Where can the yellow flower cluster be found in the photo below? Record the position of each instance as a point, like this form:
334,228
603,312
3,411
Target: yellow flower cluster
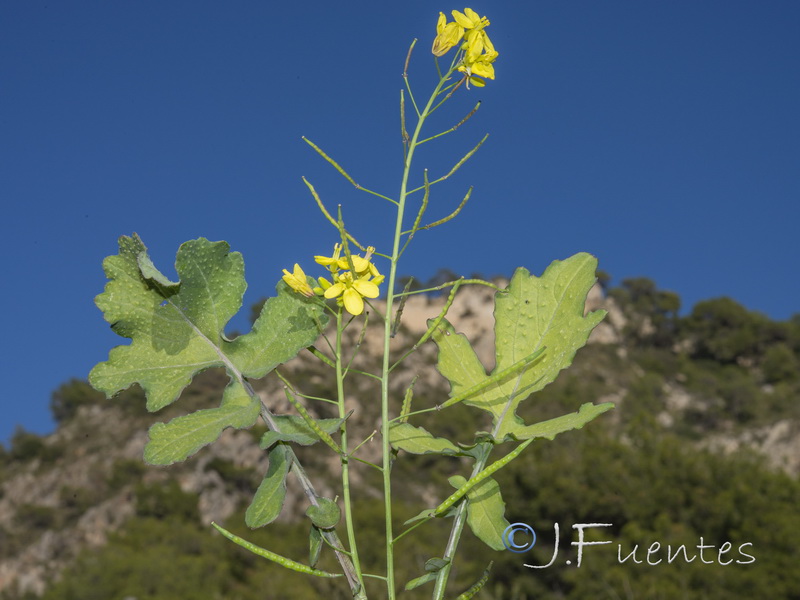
479,52
353,279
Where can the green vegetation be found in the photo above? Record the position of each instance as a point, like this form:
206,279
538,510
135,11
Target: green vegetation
653,484
27,446
72,395
655,488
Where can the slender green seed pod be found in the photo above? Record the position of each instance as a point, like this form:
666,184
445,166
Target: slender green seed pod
453,214
316,352
335,165
477,586
277,558
398,315
471,483
406,408
309,420
516,367
450,297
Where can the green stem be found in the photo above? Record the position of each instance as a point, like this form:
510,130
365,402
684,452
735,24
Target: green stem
455,534
308,489
461,517
348,512
390,296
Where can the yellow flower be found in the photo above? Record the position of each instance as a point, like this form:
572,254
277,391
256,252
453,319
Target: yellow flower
447,36
298,281
324,284
353,279
337,262
377,278
353,291
469,19
362,266
479,54
332,262
478,50
482,67
478,42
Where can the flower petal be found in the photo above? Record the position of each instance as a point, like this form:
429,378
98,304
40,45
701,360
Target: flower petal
483,69
464,20
298,281
335,290
487,43
366,288
447,38
353,302
472,15
360,264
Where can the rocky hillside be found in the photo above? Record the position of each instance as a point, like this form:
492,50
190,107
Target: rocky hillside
719,379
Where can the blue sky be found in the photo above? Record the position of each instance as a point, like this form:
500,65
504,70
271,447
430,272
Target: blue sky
662,137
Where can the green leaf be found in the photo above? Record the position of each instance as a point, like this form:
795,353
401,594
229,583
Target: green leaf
417,440
485,511
432,565
432,568
326,515
314,545
552,427
288,323
183,436
149,271
422,580
269,498
422,516
177,330
292,428
535,313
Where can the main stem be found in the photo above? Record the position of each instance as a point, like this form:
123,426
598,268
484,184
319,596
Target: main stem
388,324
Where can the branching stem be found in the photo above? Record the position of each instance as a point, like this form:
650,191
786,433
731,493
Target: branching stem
388,323
345,458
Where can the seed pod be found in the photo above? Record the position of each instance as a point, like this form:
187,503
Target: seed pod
518,366
474,589
311,422
471,483
277,558
406,408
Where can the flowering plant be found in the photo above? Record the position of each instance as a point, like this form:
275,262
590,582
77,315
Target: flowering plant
476,54
177,330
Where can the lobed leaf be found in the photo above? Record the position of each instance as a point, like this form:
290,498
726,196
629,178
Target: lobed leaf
535,313
418,440
178,439
552,427
177,330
